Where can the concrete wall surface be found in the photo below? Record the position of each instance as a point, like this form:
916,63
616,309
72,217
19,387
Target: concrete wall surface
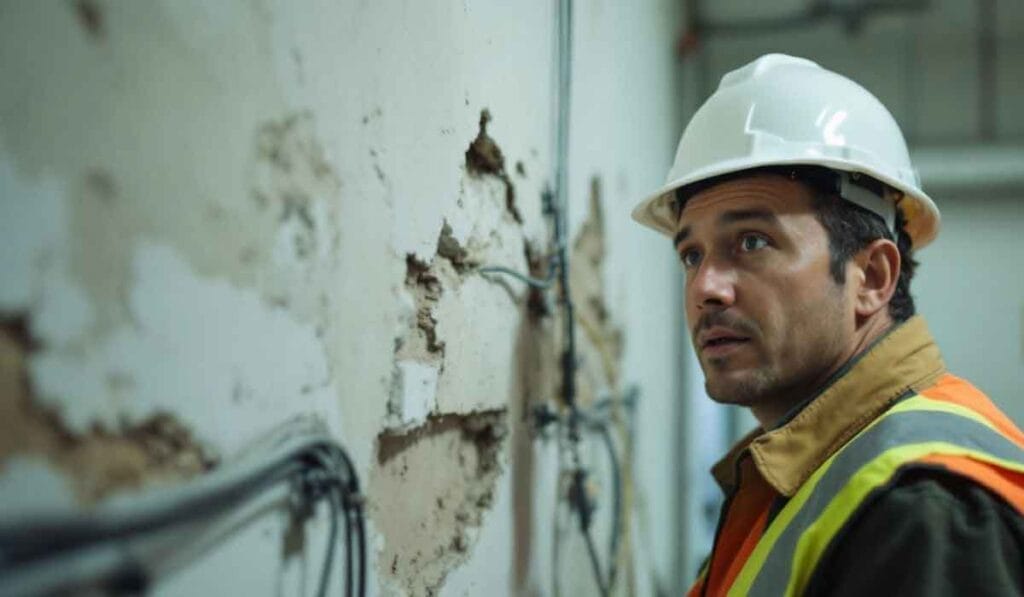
219,215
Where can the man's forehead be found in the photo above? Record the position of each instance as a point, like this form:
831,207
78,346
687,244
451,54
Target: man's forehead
774,193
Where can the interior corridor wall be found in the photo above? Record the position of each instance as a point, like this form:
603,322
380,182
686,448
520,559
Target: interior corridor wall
218,216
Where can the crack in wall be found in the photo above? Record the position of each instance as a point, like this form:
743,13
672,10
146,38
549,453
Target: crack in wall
427,513
101,461
484,157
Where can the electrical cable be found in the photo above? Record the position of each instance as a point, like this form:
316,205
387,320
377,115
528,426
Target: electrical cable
542,284
613,547
95,549
594,562
332,539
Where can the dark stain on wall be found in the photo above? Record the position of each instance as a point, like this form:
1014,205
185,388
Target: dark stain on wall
90,16
484,157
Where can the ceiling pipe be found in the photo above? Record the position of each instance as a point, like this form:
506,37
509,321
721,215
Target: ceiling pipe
852,13
988,169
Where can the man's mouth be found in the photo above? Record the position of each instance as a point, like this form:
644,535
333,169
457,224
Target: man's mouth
725,341
718,342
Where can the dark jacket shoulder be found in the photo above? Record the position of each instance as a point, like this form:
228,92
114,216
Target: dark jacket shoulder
929,532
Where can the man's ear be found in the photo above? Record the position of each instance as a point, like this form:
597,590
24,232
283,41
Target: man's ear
878,269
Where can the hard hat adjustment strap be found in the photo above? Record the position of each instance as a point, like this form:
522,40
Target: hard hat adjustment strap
863,197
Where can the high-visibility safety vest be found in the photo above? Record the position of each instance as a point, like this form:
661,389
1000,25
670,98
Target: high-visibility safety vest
952,425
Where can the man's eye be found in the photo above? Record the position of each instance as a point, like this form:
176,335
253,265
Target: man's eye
690,258
752,242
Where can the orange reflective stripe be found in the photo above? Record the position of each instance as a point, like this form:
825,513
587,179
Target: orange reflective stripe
748,545
954,390
1005,483
745,522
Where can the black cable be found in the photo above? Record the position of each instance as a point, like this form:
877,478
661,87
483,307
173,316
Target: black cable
325,572
613,548
353,504
337,492
360,523
338,502
585,510
90,548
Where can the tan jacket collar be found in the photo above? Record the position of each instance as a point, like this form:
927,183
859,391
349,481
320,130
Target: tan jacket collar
907,358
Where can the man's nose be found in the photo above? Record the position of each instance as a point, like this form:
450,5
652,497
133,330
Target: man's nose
713,286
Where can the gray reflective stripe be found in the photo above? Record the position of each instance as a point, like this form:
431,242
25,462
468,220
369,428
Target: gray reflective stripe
898,429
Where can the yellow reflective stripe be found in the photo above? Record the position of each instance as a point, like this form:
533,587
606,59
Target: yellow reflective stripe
920,402
741,585
817,536
814,539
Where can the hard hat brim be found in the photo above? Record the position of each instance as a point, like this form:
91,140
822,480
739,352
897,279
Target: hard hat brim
920,212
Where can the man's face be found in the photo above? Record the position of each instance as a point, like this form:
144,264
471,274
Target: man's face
769,323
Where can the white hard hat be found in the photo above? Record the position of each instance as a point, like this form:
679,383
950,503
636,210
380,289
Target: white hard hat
781,110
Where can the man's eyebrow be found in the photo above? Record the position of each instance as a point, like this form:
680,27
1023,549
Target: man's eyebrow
731,217
681,236
739,215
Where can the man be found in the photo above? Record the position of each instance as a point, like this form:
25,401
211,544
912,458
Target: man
795,212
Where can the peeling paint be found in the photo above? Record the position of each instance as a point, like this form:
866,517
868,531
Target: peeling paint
100,461
423,281
449,248
223,245
429,515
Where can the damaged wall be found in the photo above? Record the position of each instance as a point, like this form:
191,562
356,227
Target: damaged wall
218,216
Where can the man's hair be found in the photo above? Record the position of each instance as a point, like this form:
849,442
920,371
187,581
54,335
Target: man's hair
850,227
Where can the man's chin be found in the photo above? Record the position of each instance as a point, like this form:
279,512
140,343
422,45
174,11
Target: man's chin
740,388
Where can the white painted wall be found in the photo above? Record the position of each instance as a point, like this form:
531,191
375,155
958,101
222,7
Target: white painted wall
207,207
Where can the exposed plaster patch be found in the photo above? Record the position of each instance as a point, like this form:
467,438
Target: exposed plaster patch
603,342
427,513
423,282
450,248
460,324
484,157
479,322
100,460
